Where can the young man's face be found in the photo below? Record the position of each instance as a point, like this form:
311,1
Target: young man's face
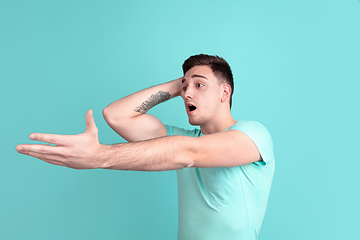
201,94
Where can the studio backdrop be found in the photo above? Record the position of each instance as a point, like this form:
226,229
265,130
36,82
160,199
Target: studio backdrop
296,68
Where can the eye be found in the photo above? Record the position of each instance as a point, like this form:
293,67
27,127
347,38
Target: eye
184,89
199,85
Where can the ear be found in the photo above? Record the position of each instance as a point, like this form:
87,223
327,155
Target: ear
225,92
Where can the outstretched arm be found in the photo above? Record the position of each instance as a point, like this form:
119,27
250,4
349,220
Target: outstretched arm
127,116
83,151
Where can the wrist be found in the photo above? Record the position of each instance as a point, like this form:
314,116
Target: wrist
176,87
101,156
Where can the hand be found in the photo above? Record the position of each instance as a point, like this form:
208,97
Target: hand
178,86
74,151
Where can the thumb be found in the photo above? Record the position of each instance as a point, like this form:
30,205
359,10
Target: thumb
90,122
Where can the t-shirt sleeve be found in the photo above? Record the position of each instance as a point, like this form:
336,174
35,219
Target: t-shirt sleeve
172,130
261,137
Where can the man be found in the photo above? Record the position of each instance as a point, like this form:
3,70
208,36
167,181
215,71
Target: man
224,169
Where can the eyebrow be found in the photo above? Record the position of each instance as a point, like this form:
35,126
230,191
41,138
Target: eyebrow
199,76
194,76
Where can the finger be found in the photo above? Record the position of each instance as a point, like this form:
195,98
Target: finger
49,158
49,138
42,149
90,122
55,163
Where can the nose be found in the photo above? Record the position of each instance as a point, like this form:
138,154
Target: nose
188,94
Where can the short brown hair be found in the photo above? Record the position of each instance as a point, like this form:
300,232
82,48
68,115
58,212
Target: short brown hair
218,65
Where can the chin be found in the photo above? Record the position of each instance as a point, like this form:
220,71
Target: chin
194,123
197,122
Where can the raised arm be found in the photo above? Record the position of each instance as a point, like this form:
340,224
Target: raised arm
127,116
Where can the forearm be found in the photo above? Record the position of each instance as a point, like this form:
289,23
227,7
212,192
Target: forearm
83,151
140,102
165,153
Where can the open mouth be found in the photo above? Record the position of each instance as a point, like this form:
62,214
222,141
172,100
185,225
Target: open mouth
191,107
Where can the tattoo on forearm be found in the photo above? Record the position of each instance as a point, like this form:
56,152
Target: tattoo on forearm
153,100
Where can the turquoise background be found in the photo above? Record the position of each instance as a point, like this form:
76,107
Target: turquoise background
297,71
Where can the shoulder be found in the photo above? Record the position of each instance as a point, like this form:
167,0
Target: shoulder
260,136
172,130
251,127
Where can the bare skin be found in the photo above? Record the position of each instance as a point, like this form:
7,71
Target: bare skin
127,116
150,149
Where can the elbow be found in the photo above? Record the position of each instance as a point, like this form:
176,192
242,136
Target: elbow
108,116
186,161
187,156
189,164
183,161
105,113
115,120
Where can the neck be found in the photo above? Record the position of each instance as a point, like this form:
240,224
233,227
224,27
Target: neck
218,124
